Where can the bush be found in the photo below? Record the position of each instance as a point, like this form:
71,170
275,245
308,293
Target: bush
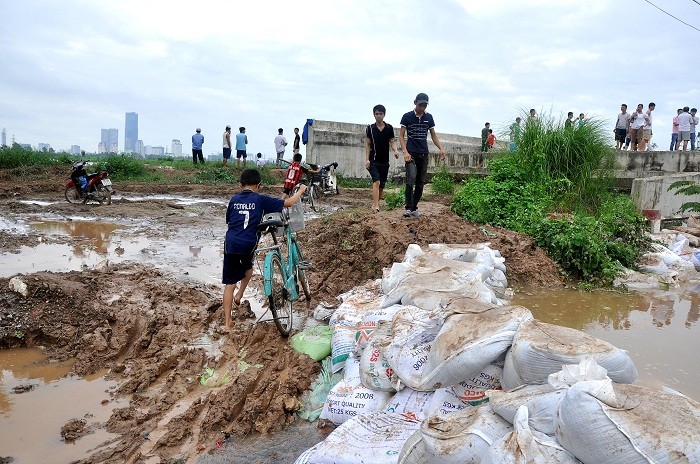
443,182
395,199
121,167
16,156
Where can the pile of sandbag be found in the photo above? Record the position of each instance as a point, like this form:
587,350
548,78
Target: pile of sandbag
440,368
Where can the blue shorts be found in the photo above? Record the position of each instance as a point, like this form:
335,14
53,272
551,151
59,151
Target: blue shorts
241,154
235,267
227,153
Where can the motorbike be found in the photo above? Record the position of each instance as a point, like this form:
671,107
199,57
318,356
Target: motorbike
83,187
326,180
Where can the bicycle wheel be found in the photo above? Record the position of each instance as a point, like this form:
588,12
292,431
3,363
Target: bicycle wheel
302,280
312,195
280,306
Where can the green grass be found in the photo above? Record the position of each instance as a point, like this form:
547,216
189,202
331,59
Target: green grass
443,182
15,157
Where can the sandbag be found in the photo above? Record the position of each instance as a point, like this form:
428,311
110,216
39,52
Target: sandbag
314,341
526,446
540,349
349,397
628,424
444,401
371,321
479,388
411,403
542,401
314,399
375,438
467,343
375,371
459,438
409,342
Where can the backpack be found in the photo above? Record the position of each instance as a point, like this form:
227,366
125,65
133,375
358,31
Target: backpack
293,175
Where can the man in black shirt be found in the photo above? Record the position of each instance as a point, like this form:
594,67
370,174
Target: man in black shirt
379,136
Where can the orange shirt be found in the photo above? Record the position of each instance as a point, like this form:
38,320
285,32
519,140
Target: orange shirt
491,140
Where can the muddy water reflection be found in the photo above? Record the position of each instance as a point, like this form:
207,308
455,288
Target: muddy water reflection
31,421
660,330
96,235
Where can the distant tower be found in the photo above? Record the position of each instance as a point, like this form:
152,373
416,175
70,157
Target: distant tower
131,132
177,148
110,139
4,138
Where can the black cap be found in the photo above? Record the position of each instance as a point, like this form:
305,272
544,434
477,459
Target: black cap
422,98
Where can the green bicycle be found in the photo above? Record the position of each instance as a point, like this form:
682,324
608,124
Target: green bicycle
282,276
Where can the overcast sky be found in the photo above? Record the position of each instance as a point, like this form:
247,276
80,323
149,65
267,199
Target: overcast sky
70,68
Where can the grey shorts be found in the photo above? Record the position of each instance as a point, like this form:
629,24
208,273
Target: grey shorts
683,135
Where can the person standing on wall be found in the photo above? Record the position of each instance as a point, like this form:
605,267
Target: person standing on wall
197,144
227,145
280,144
623,120
413,137
378,137
295,145
241,142
484,136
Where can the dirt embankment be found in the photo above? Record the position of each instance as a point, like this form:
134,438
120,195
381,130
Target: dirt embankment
155,332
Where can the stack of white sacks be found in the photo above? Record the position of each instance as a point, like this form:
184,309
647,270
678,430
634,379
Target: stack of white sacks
439,368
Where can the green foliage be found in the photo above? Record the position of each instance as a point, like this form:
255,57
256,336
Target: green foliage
121,167
395,199
686,187
16,156
353,183
553,188
443,182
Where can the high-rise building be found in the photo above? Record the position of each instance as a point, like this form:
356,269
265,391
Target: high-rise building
75,149
177,148
43,147
110,139
131,132
139,147
4,138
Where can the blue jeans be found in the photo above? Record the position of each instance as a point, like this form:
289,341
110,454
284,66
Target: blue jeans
692,140
674,141
416,171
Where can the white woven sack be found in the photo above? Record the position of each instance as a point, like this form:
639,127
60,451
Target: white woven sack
411,403
349,397
469,342
399,271
633,425
541,401
412,333
479,388
524,445
375,371
375,438
370,322
459,438
540,349
444,401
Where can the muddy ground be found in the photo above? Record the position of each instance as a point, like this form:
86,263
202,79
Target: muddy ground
154,330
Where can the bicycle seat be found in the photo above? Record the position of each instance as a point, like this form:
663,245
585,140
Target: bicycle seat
270,222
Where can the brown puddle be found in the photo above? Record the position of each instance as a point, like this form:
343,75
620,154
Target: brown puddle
31,421
660,331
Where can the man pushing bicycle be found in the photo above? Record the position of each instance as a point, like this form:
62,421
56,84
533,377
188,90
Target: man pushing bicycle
245,211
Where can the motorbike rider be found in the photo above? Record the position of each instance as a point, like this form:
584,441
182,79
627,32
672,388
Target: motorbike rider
79,176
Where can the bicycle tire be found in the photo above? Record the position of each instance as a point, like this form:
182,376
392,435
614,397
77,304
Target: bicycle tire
302,279
280,305
312,196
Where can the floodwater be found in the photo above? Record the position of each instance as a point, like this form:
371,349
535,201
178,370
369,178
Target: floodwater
660,330
31,421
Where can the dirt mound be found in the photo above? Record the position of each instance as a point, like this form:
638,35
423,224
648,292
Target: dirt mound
157,335
353,246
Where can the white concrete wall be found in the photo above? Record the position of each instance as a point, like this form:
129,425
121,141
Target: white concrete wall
652,193
345,143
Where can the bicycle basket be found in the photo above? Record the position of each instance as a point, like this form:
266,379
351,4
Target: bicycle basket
296,216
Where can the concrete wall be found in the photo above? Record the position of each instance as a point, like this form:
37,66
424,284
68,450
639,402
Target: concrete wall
345,143
652,193
630,165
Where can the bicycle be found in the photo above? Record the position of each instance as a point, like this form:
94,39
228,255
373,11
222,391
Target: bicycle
282,277
311,196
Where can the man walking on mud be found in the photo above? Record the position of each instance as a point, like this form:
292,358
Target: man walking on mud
413,137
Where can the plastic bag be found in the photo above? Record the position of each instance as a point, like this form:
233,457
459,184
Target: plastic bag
314,341
313,401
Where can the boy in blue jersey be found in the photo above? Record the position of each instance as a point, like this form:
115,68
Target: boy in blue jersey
245,211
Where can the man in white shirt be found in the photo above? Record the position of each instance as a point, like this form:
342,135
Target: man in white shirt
685,120
646,137
637,122
280,144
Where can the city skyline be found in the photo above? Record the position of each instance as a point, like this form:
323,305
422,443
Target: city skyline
131,132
